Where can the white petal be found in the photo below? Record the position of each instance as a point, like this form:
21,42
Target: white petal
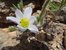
32,19
13,19
21,28
18,13
28,12
33,28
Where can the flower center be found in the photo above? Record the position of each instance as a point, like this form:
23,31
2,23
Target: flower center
24,22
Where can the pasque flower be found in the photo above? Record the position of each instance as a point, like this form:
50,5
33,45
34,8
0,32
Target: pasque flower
24,20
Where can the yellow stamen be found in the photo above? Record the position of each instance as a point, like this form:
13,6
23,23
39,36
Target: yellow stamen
24,22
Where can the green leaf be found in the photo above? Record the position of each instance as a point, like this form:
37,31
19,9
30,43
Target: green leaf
12,28
20,5
54,6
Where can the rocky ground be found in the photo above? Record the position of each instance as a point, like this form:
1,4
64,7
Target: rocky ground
52,35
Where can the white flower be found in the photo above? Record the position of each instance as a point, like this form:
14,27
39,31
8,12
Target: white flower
24,20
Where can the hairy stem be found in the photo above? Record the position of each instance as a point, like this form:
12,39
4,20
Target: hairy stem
43,11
